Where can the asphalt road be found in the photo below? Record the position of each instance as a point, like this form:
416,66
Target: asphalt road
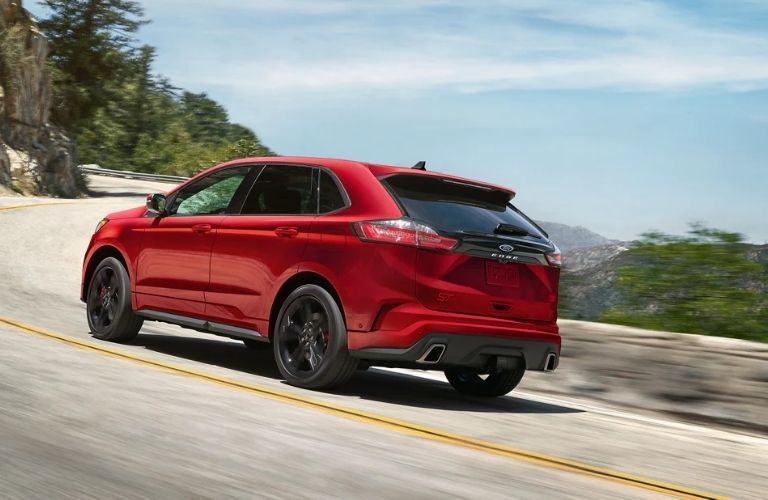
78,423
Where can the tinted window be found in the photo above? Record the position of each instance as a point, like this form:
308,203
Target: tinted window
330,197
450,206
211,194
282,190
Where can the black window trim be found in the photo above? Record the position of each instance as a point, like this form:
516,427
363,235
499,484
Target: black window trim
339,186
315,185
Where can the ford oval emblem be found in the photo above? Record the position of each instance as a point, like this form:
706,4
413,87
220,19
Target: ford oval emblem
506,248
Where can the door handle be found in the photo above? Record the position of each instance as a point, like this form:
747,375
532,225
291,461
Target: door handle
288,232
202,228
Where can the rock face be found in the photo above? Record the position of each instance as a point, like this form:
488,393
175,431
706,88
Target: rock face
35,157
581,259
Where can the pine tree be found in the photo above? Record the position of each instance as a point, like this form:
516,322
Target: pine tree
91,48
120,114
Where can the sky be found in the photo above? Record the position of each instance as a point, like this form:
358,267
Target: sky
621,116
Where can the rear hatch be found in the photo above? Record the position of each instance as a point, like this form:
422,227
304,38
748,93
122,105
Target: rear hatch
502,264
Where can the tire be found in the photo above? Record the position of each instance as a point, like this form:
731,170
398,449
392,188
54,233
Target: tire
256,345
108,303
497,383
310,340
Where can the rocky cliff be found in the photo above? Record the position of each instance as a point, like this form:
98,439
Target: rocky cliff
35,157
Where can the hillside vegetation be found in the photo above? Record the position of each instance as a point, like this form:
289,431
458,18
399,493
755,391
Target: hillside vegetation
706,282
121,114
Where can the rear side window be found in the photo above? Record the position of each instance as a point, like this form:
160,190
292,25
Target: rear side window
282,190
331,198
451,206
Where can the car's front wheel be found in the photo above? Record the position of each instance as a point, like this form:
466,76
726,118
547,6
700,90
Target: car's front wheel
310,340
491,383
108,303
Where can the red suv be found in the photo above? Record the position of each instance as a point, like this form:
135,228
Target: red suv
339,265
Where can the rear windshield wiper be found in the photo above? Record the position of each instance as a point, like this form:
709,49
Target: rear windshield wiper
513,230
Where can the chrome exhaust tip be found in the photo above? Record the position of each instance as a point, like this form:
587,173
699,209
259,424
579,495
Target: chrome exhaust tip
432,355
551,362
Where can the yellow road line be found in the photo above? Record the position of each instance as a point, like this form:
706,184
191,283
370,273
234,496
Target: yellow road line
382,421
32,205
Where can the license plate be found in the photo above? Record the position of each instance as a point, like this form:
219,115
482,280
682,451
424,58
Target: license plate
501,274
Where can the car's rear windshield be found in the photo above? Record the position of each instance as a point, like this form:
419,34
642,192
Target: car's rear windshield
452,206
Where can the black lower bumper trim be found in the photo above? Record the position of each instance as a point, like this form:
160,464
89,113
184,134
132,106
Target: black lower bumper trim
476,351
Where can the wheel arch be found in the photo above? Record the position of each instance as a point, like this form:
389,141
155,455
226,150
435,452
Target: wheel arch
294,282
98,255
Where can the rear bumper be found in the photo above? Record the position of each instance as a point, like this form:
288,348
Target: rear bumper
470,341
442,350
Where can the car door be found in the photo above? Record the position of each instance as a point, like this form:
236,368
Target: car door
258,249
173,267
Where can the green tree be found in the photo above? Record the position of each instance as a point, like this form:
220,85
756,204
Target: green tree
244,148
703,283
121,114
205,118
101,140
91,44
139,109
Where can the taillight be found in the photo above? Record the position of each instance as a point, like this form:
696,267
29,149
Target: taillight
555,258
403,232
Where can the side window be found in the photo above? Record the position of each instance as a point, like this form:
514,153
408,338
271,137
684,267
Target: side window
330,197
211,194
282,190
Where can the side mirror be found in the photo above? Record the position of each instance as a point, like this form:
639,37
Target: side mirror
156,203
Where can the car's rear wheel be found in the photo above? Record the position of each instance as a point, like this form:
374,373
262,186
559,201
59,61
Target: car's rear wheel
310,340
487,383
108,303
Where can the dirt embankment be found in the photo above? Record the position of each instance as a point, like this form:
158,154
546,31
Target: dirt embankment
698,377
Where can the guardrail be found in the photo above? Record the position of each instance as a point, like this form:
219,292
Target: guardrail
125,174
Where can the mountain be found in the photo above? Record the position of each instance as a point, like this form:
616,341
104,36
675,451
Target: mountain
573,237
588,285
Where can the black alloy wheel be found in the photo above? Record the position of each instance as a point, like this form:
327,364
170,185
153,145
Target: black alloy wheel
305,336
310,340
103,298
108,303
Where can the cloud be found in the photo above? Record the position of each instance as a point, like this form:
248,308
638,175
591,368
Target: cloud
649,72
337,45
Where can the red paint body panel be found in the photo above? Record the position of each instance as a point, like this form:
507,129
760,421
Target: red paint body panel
406,324
459,283
391,295
384,170
248,261
174,262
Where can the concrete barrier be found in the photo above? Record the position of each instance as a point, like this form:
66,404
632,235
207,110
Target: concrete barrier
698,377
